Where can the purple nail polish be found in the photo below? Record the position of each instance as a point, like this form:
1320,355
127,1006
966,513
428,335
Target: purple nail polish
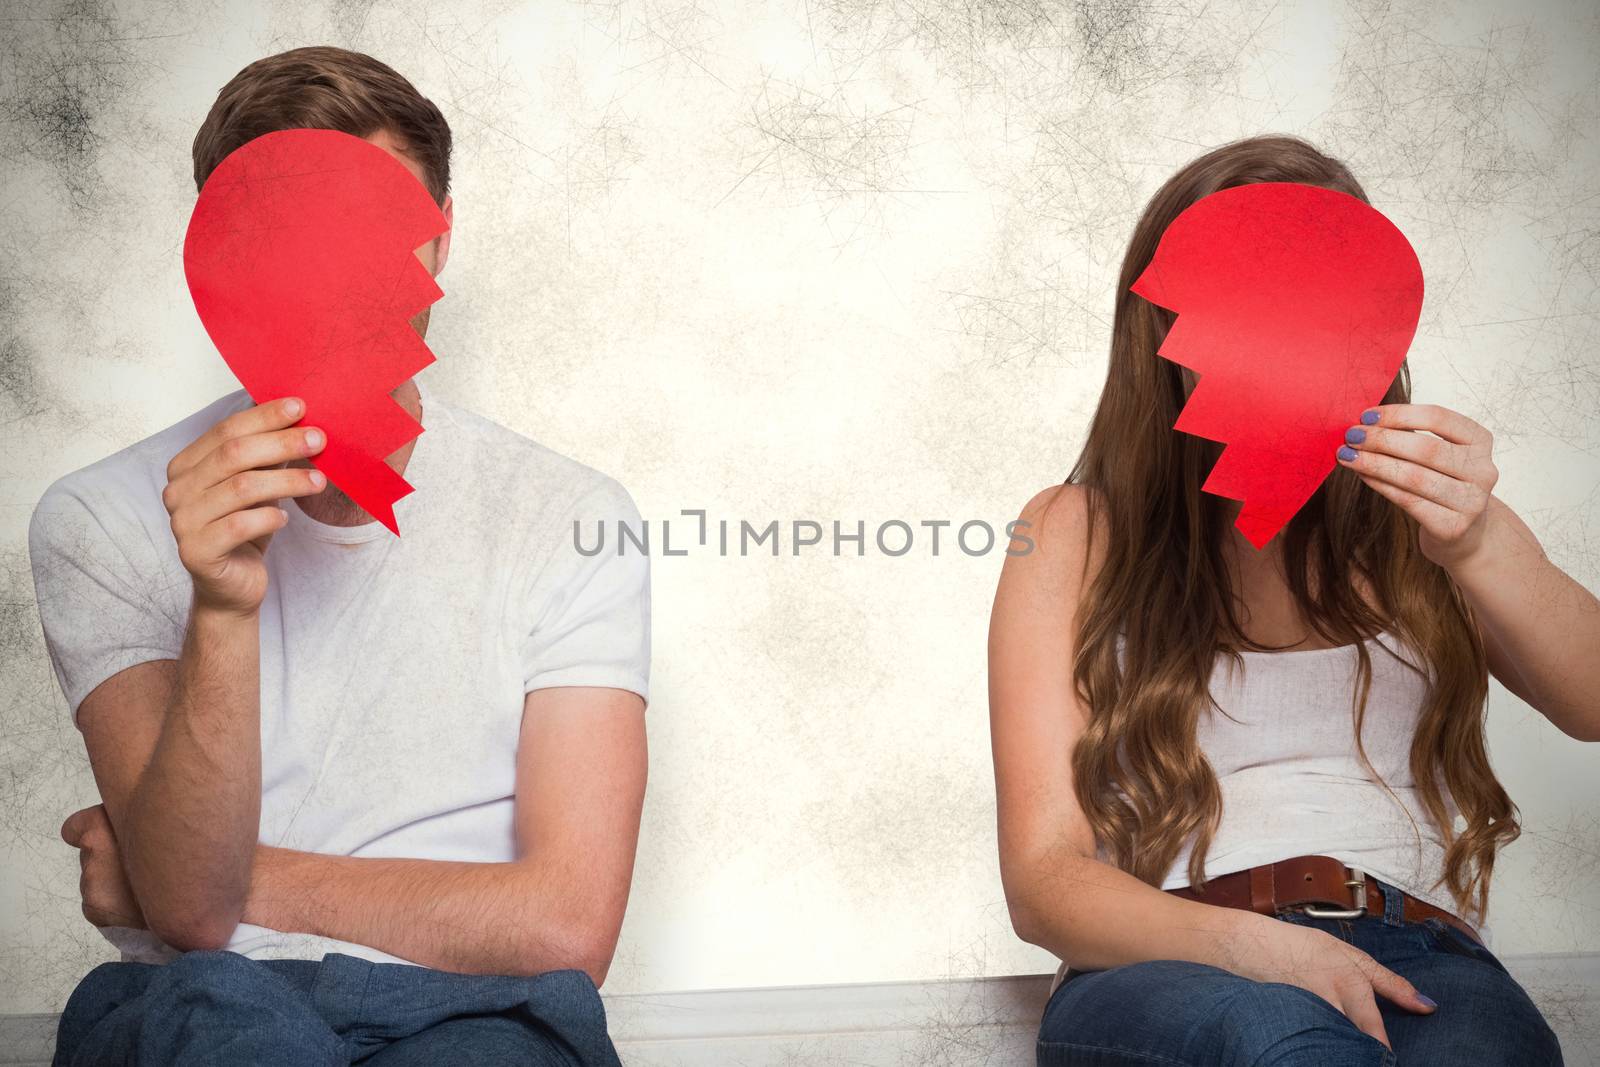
1369,418
1347,453
1355,435
1427,1000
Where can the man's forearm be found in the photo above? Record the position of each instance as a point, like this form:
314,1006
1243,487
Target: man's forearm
475,918
188,830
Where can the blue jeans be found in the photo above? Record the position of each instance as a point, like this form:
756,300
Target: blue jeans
1169,1013
221,1009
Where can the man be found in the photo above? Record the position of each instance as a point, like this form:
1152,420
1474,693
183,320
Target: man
365,798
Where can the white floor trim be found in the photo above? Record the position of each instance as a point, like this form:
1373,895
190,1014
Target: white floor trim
984,1022
963,1022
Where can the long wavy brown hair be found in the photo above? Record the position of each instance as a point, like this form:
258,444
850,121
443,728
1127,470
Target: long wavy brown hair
1353,567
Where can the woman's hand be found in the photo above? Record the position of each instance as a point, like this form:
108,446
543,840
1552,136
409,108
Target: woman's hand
1443,480
1271,950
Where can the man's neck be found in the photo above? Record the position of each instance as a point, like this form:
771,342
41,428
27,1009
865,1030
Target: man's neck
332,506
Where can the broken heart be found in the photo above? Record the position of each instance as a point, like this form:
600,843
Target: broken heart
300,257
1295,306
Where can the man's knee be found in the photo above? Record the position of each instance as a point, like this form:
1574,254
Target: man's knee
111,983
430,1016
476,1039
567,992
567,1003
100,993
214,982
210,968
202,1008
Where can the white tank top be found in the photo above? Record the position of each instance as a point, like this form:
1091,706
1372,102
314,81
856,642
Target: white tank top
1292,782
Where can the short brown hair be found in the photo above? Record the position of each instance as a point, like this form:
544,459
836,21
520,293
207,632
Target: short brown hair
325,88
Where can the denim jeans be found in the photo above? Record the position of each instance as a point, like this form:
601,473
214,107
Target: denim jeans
1169,1013
221,1009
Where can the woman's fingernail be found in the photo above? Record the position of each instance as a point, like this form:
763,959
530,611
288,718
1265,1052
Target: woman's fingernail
1369,418
313,438
1347,453
318,479
293,407
1355,435
1426,1000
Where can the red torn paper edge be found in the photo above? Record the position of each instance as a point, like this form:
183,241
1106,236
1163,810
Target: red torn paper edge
1296,306
301,259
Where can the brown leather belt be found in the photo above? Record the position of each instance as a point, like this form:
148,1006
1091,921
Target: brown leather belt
1319,886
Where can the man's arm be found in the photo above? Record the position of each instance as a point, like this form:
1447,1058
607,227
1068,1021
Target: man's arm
581,765
177,757
176,744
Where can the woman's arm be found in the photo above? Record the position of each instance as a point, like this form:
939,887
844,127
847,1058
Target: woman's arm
1540,627
1060,897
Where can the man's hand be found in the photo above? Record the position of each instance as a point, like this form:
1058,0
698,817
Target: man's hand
220,491
108,899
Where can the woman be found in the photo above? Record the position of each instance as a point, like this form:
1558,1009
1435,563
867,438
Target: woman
1289,741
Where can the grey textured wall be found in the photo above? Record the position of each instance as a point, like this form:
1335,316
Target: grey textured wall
825,259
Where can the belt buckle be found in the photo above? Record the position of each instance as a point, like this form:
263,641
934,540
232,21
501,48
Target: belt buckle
1358,897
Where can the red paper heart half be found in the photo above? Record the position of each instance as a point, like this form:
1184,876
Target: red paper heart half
301,259
1296,305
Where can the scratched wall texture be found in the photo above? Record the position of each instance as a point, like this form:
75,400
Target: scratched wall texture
826,259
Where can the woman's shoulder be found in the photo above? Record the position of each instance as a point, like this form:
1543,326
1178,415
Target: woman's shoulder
1061,556
1060,519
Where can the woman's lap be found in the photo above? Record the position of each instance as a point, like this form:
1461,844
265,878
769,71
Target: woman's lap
1484,1015
1173,1012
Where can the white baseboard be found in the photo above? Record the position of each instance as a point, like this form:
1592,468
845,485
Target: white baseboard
978,1022
981,1022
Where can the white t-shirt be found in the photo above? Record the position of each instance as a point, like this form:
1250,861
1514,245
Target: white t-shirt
393,669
